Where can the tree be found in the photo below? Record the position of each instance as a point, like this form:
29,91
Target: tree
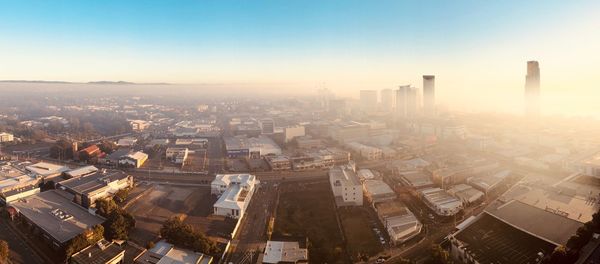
107,146
439,256
84,239
183,235
4,251
118,222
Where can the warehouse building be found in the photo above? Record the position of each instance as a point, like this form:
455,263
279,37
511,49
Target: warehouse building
400,223
133,160
378,191
101,184
466,194
441,202
53,214
250,147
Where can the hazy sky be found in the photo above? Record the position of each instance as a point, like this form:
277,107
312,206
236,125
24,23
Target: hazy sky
477,49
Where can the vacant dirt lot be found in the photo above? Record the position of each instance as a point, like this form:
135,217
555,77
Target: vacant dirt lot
166,201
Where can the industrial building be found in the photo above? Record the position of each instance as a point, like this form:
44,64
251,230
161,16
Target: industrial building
378,191
400,223
98,185
466,194
55,216
250,147
416,180
441,202
488,181
345,185
133,160
235,192
16,183
46,170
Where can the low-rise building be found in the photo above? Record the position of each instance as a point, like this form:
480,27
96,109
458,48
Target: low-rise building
416,180
235,192
192,143
345,185
177,155
6,137
466,194
367,152
378,191
53,214
101,184
400,223
489,181
292,132
126,142
441,202
307,142
279,163
250,147
133,160
16,183
82,171
46,170
166,253
139,125
103,252
285,252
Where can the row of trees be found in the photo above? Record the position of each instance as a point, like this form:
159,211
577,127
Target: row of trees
84,239
183,235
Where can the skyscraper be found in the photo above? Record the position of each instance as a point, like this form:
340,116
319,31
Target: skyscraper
429,95
368,100
387,99
406,101
532,89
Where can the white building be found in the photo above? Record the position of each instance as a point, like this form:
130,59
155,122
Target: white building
284,252
6,137
293,132
235,192
46,170
126,142
177,155
367,152
346,187
134,160
441,202
139,125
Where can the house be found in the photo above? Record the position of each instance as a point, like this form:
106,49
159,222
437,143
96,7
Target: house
103,252
54,216
235,192
101,184
133,160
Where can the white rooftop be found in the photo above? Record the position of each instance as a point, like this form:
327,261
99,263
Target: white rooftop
284,251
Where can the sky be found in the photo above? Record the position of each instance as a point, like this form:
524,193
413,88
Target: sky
477,49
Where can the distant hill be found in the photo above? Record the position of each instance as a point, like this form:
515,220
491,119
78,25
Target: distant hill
94,82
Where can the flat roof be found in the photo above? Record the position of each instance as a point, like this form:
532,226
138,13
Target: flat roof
416,179
538,222
343,174
93,182
81,171
46,169
99,253
378,188
490,240
284,251
44,210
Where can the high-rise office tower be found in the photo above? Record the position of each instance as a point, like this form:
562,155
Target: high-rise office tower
429,95
368,100
406,101
532,89
387,99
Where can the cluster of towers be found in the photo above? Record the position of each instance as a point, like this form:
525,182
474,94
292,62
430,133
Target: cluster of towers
404,101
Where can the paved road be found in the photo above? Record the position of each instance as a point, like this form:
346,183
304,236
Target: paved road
252,233
20,252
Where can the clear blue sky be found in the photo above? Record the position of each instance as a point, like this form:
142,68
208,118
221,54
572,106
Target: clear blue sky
367,43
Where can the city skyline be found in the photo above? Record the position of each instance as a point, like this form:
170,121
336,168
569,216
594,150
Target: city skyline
476,50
